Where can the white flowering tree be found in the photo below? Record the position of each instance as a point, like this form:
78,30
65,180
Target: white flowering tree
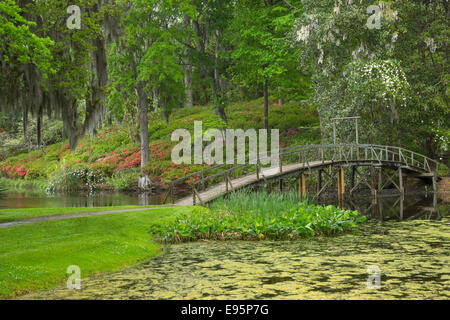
385,61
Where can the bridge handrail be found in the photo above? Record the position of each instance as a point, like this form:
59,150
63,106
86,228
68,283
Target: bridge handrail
400,152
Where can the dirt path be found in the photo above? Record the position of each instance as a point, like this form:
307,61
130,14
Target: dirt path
71,216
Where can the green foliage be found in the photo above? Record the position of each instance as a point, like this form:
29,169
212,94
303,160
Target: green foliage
375,90
19,44
127,180
258,216
68,179
395,77
262,51
443,170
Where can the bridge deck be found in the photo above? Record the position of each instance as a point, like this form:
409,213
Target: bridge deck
407,162
220,189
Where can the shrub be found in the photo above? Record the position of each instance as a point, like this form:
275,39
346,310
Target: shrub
443,170
69,179
126,180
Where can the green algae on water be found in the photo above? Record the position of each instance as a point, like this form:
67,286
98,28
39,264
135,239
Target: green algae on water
413,257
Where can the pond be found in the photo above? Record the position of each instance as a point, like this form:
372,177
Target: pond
98,199
409,241
413,257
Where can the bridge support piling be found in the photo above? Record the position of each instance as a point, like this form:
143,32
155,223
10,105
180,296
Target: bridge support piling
434,181
352,177
301,186
281,185
319,181
405,181
400,180
373,186
374,206
341,186
380,179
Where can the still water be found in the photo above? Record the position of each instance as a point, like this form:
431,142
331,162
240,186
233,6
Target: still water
99,199
409,241
413,257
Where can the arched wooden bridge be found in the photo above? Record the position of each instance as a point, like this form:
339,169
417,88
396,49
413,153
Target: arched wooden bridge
393,165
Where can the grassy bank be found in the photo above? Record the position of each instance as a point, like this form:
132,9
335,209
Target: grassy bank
9,215
257,216
36,256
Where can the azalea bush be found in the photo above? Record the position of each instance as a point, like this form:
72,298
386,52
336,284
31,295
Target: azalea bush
268,216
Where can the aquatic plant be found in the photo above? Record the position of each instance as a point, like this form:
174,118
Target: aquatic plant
247,216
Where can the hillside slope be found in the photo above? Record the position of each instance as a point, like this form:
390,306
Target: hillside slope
111,160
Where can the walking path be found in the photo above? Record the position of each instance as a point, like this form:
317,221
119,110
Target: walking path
77,215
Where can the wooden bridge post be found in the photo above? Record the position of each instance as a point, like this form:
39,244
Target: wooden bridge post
434,180
319,181
352,178
281,185
341,186
400,180
226,182
380,179
405,182
374,206
372,174
301,186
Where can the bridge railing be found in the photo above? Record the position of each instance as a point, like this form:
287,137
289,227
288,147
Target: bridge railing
307,156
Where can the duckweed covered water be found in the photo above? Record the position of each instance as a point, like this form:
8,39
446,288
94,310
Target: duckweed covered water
413,257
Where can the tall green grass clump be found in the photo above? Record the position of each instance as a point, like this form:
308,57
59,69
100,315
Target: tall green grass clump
257,216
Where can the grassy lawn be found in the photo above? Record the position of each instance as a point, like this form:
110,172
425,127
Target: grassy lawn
36,256
8,215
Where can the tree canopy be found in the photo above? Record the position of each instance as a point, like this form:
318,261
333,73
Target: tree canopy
132,58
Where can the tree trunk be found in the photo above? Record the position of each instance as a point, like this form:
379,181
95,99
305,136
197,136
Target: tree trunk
70,116
95,100
155,100
189,102
142,103
39,127
280,97
188,86
266,105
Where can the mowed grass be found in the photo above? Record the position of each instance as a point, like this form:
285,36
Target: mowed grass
9,215
36,256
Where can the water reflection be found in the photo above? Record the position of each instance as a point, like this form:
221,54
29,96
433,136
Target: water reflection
394,206
383,207
100,199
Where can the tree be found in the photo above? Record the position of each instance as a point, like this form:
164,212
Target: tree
263,51
148,58
24,58
412,42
